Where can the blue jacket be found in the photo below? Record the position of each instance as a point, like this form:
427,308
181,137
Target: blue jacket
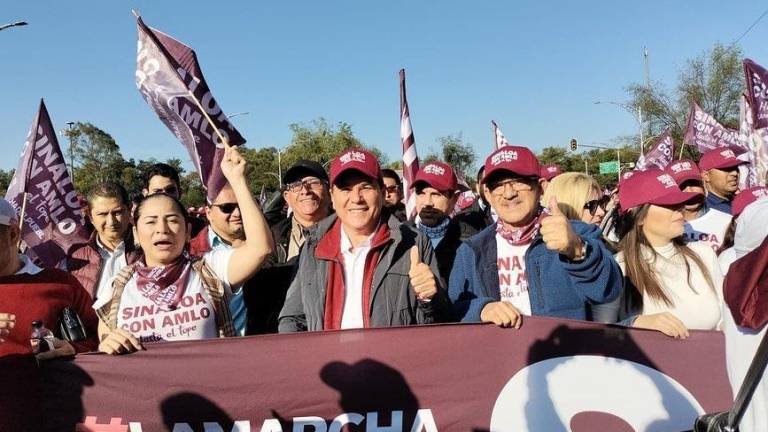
557,287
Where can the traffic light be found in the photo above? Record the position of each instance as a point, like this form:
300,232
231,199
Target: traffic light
574,145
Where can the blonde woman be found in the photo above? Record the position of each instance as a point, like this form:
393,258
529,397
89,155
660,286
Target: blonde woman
578,196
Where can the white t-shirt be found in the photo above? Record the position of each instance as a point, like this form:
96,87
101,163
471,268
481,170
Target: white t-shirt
708,229
354,269
193,319
696,305
513,283
111,264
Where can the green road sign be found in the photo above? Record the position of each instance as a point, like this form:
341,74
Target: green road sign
609,167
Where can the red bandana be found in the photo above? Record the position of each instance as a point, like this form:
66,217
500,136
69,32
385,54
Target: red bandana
164,285
519,236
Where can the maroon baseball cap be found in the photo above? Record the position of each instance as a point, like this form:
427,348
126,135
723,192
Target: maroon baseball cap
747,197
653,186
518,160
719,158
550,171
438,175
683,170
355,159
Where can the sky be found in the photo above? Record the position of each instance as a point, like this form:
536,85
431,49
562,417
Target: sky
536,67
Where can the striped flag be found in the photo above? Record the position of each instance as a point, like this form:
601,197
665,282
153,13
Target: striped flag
501,141
747,172
410,158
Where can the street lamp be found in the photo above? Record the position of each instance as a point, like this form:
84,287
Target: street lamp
13,24
638,117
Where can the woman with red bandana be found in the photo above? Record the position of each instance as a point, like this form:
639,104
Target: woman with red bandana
169,295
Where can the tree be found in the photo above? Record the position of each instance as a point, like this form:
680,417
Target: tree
97,156
713,79
5,180
458,154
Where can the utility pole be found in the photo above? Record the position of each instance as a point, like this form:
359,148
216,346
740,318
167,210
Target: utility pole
71,152
647,82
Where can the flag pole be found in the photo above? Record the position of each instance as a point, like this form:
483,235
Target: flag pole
210,121
682,146
21,218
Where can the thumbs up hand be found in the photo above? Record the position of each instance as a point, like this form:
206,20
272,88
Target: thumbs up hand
422,278
558,234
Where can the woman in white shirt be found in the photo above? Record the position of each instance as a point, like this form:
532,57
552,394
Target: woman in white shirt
672,287
169,295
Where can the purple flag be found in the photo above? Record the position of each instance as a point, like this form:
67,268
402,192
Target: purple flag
170,80
660,155
706,133
757,92
53,219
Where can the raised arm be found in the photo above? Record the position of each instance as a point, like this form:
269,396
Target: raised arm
247,259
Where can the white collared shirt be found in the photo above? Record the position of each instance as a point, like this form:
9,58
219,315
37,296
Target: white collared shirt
29,267
111,264
354,270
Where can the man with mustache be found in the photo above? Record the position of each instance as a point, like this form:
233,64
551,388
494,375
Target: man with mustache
720,172
306,192
702,224
437,190
110,247
360,268
224,231
531,261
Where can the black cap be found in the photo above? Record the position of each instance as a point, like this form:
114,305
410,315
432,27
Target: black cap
303,168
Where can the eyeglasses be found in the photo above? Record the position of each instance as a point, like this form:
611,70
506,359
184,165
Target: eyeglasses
392,189
592,206
518,185
297,186
227,208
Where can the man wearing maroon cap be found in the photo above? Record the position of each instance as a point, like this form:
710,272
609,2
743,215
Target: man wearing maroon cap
357,270
702,224
530,262
720,172
437,190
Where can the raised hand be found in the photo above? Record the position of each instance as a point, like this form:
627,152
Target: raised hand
558,234
232,164
422,278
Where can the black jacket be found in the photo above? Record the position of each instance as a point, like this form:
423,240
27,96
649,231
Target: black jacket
475,217
445,252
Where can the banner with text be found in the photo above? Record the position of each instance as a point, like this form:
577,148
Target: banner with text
705,133
53,219
170,80
550,375
660,155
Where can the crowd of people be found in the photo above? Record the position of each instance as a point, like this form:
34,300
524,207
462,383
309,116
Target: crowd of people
652,253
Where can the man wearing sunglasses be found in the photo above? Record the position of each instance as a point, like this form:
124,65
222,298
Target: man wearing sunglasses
702,223
225,231
532,261
393,194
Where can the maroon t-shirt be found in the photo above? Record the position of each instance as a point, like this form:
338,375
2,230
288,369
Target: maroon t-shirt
43,296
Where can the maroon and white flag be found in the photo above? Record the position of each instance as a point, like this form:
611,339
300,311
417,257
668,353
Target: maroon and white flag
747,172
660,155
410,158
170,80
499,138
706,133
53,220
757,92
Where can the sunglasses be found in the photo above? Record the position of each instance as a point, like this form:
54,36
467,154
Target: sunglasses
593,205
392,189
226,208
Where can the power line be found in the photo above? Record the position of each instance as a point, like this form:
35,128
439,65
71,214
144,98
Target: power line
750,27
